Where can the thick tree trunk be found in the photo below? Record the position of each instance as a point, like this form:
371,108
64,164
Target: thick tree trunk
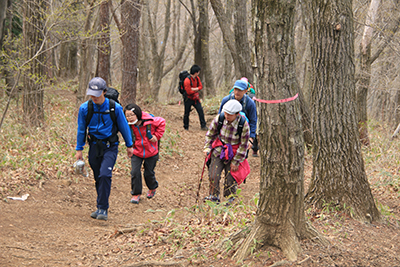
338,175
280,217
130,12
206,75
104,47
33,29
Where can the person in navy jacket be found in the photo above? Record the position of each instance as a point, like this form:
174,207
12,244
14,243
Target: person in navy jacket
248,106
103,141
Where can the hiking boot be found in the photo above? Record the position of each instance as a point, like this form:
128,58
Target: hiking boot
102,215
204,128
135,199
212,198
95,214
151,193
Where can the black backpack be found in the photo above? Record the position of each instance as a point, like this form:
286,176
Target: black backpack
240,127
182,76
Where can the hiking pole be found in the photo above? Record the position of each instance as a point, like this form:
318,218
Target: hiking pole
201,179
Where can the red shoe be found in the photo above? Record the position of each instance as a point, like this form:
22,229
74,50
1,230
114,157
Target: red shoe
151,193
135,199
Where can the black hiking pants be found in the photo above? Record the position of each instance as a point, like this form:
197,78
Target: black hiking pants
149,174
197,105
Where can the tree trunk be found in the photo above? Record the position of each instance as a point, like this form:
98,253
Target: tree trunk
241,40
158,54
280,217
130,12
3,12
206,75
227,33
87,54
338,175
365,72
104,47
33,41
144,55
227,77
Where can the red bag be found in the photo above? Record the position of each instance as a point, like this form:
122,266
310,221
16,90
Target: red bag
242,172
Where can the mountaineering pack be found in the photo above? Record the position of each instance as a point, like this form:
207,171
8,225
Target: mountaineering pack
182,76
240,127
112,94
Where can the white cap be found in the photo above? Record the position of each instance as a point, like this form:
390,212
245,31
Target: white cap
232,107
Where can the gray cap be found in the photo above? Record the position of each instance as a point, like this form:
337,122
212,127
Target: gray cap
232,107
96,87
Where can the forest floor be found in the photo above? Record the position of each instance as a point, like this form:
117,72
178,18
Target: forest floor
53,227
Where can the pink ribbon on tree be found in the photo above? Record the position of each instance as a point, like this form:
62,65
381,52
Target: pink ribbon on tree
276,101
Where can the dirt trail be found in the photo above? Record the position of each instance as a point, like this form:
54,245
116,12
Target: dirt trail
53,226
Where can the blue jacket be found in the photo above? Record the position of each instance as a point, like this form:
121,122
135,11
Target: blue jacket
250,110
101,124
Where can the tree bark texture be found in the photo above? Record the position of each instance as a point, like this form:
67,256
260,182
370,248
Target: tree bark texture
242,40
158,52
33,29
338,175
104,46
130,12
280,217
3,12
365,72
227,33
204,53
87,54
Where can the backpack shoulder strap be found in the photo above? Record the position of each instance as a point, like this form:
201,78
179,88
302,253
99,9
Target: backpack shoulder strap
89,114
240,127
112,112
220,122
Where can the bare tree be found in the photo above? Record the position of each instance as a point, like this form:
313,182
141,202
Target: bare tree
104,47
241,39
128,27
227,33
202,53
87,53
280,219
338,175
3,12
34,41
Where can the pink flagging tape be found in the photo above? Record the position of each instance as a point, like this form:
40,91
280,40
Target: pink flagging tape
276,101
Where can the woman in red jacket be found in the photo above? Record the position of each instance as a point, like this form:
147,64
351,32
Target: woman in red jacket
146,131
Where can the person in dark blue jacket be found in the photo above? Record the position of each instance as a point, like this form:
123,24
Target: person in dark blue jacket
248,106
103,141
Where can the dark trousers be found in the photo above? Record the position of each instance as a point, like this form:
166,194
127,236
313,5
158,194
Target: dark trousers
149,174
214,171
197,105
102,169
255,144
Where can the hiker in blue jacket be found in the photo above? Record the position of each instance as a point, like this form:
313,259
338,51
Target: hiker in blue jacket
248,106
103,140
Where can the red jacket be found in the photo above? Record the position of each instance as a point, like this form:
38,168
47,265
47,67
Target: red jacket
188,87
142,147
